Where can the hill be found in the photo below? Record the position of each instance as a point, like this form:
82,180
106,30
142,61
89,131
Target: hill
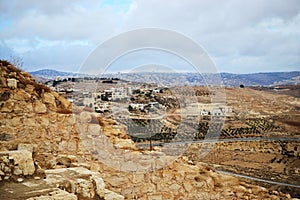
52,74
228,79
264,79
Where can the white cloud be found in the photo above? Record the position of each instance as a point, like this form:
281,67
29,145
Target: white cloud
241,36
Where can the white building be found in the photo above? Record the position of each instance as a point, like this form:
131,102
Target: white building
88,101
120,93
204,113
102,107
156,90
137,106
221,111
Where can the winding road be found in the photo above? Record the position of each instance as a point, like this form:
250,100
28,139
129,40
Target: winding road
258,179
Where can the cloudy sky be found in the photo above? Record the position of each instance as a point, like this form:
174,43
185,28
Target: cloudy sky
240,36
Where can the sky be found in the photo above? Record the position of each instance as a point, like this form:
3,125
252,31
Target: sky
240,36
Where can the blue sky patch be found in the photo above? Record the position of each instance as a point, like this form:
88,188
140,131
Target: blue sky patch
117,5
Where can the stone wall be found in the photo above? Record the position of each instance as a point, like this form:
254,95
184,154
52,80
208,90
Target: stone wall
183,179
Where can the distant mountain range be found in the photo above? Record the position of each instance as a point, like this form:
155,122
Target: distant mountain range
265,79
50,73
229,79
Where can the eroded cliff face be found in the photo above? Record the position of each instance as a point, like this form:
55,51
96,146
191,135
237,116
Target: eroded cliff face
60,141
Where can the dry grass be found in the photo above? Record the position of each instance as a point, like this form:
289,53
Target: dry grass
4,62
40,88
12,68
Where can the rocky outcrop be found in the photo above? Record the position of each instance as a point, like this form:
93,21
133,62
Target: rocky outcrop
77,183
58,194
82,182
184,179
15,164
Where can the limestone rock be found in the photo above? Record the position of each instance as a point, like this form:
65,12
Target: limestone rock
22,107
58,194
110,195
66,160
85,117
155,197
124,143
94,129
24,161
12,83
20,180
3,82
49,98
28,147
65,103
21,95
30,122
17,171
39,107
84,183
29,88
117,181
100,185
7,107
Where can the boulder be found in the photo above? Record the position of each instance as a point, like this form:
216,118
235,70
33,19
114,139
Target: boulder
21,95
7,107
49,98
22,107
12,83
85,183
65,103
20,162
124,143
100,185
85,117
110,195
39,107
94,129
28,147
23,159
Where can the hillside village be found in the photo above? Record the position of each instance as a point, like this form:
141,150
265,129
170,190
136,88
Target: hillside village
96,93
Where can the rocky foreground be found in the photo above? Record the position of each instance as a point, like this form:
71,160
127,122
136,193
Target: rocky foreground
51,150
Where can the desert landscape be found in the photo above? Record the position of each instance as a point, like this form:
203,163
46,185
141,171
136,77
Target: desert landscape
52,149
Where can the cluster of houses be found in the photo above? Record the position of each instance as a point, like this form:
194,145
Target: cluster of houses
101,101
